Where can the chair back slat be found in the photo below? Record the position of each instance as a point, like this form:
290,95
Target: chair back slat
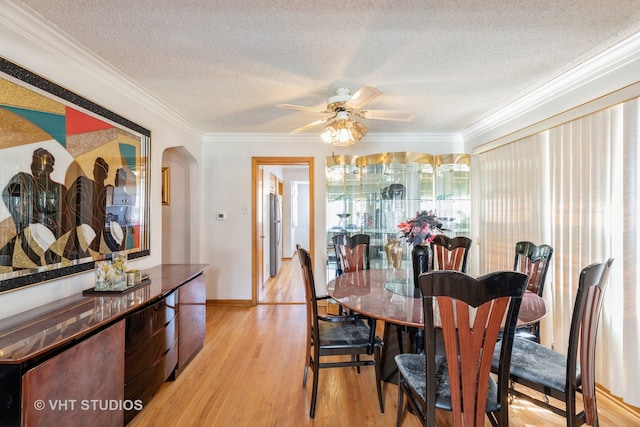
445,259
352,252
450,253
352,259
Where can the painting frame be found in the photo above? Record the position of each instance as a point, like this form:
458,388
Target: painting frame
74,181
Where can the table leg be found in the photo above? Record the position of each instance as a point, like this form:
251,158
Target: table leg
396,341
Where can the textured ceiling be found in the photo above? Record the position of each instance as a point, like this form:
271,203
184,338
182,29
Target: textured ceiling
224,65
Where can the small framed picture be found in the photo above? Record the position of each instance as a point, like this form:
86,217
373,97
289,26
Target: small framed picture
166,186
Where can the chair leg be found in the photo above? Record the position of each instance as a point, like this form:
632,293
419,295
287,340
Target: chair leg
377,357
400,403
304,377
314,393
493,419
571,409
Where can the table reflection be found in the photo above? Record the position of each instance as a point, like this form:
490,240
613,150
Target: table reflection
367,292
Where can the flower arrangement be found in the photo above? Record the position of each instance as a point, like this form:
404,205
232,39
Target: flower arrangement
110,273
119,262
119,267
103,271
421,229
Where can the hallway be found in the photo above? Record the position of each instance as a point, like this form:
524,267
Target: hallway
286,287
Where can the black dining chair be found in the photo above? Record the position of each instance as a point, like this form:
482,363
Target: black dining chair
469,312
450,253
352,252
543,370
336,336
447,253
533,260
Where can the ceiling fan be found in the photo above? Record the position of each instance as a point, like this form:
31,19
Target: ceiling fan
343,108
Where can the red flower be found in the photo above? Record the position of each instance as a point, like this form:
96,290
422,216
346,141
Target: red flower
420,229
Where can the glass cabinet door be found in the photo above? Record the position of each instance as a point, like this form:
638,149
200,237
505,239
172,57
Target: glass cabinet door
373,194
453,206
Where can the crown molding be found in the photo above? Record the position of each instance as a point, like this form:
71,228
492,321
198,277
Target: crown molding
427,137
600,66
35,30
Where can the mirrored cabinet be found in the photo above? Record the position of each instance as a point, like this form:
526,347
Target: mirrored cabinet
373,194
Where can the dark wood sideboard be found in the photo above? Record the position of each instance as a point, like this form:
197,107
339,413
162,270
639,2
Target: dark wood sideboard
98,359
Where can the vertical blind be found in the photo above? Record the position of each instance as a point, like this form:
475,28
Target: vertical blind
575,187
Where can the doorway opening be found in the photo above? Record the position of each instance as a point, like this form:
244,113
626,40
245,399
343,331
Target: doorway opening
294,173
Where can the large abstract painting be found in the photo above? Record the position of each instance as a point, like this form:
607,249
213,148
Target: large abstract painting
73,178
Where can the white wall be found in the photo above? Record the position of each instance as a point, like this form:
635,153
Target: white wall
300,231
27,43
293,177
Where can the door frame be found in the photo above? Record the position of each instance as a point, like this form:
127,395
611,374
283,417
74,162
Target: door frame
257,224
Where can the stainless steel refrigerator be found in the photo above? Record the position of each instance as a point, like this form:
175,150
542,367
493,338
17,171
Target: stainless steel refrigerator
275,233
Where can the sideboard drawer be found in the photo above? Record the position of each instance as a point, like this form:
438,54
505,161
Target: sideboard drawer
149,321
149,350
145,385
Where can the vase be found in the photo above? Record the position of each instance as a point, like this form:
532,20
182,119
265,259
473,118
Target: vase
396,253
387,250
421,258
396,192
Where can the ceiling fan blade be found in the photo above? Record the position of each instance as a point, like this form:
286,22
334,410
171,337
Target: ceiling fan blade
401,116
301,108
363,96
311,125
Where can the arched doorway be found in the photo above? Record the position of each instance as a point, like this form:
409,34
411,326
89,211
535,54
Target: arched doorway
180,240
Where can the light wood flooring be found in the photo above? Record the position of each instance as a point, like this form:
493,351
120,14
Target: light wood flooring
249,373
286,287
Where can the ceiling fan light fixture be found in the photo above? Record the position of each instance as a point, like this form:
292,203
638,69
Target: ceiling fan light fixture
343,132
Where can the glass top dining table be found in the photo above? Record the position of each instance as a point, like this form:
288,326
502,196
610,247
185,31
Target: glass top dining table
389,295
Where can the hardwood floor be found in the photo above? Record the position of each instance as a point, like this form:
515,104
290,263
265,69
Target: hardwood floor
286,287
250,373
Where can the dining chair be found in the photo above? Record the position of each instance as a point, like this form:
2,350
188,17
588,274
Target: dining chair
352,252
533,260
447,253
336,336
450,253
470,312
561,376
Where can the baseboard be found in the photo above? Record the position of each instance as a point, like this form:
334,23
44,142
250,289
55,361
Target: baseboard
237,302
618,401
